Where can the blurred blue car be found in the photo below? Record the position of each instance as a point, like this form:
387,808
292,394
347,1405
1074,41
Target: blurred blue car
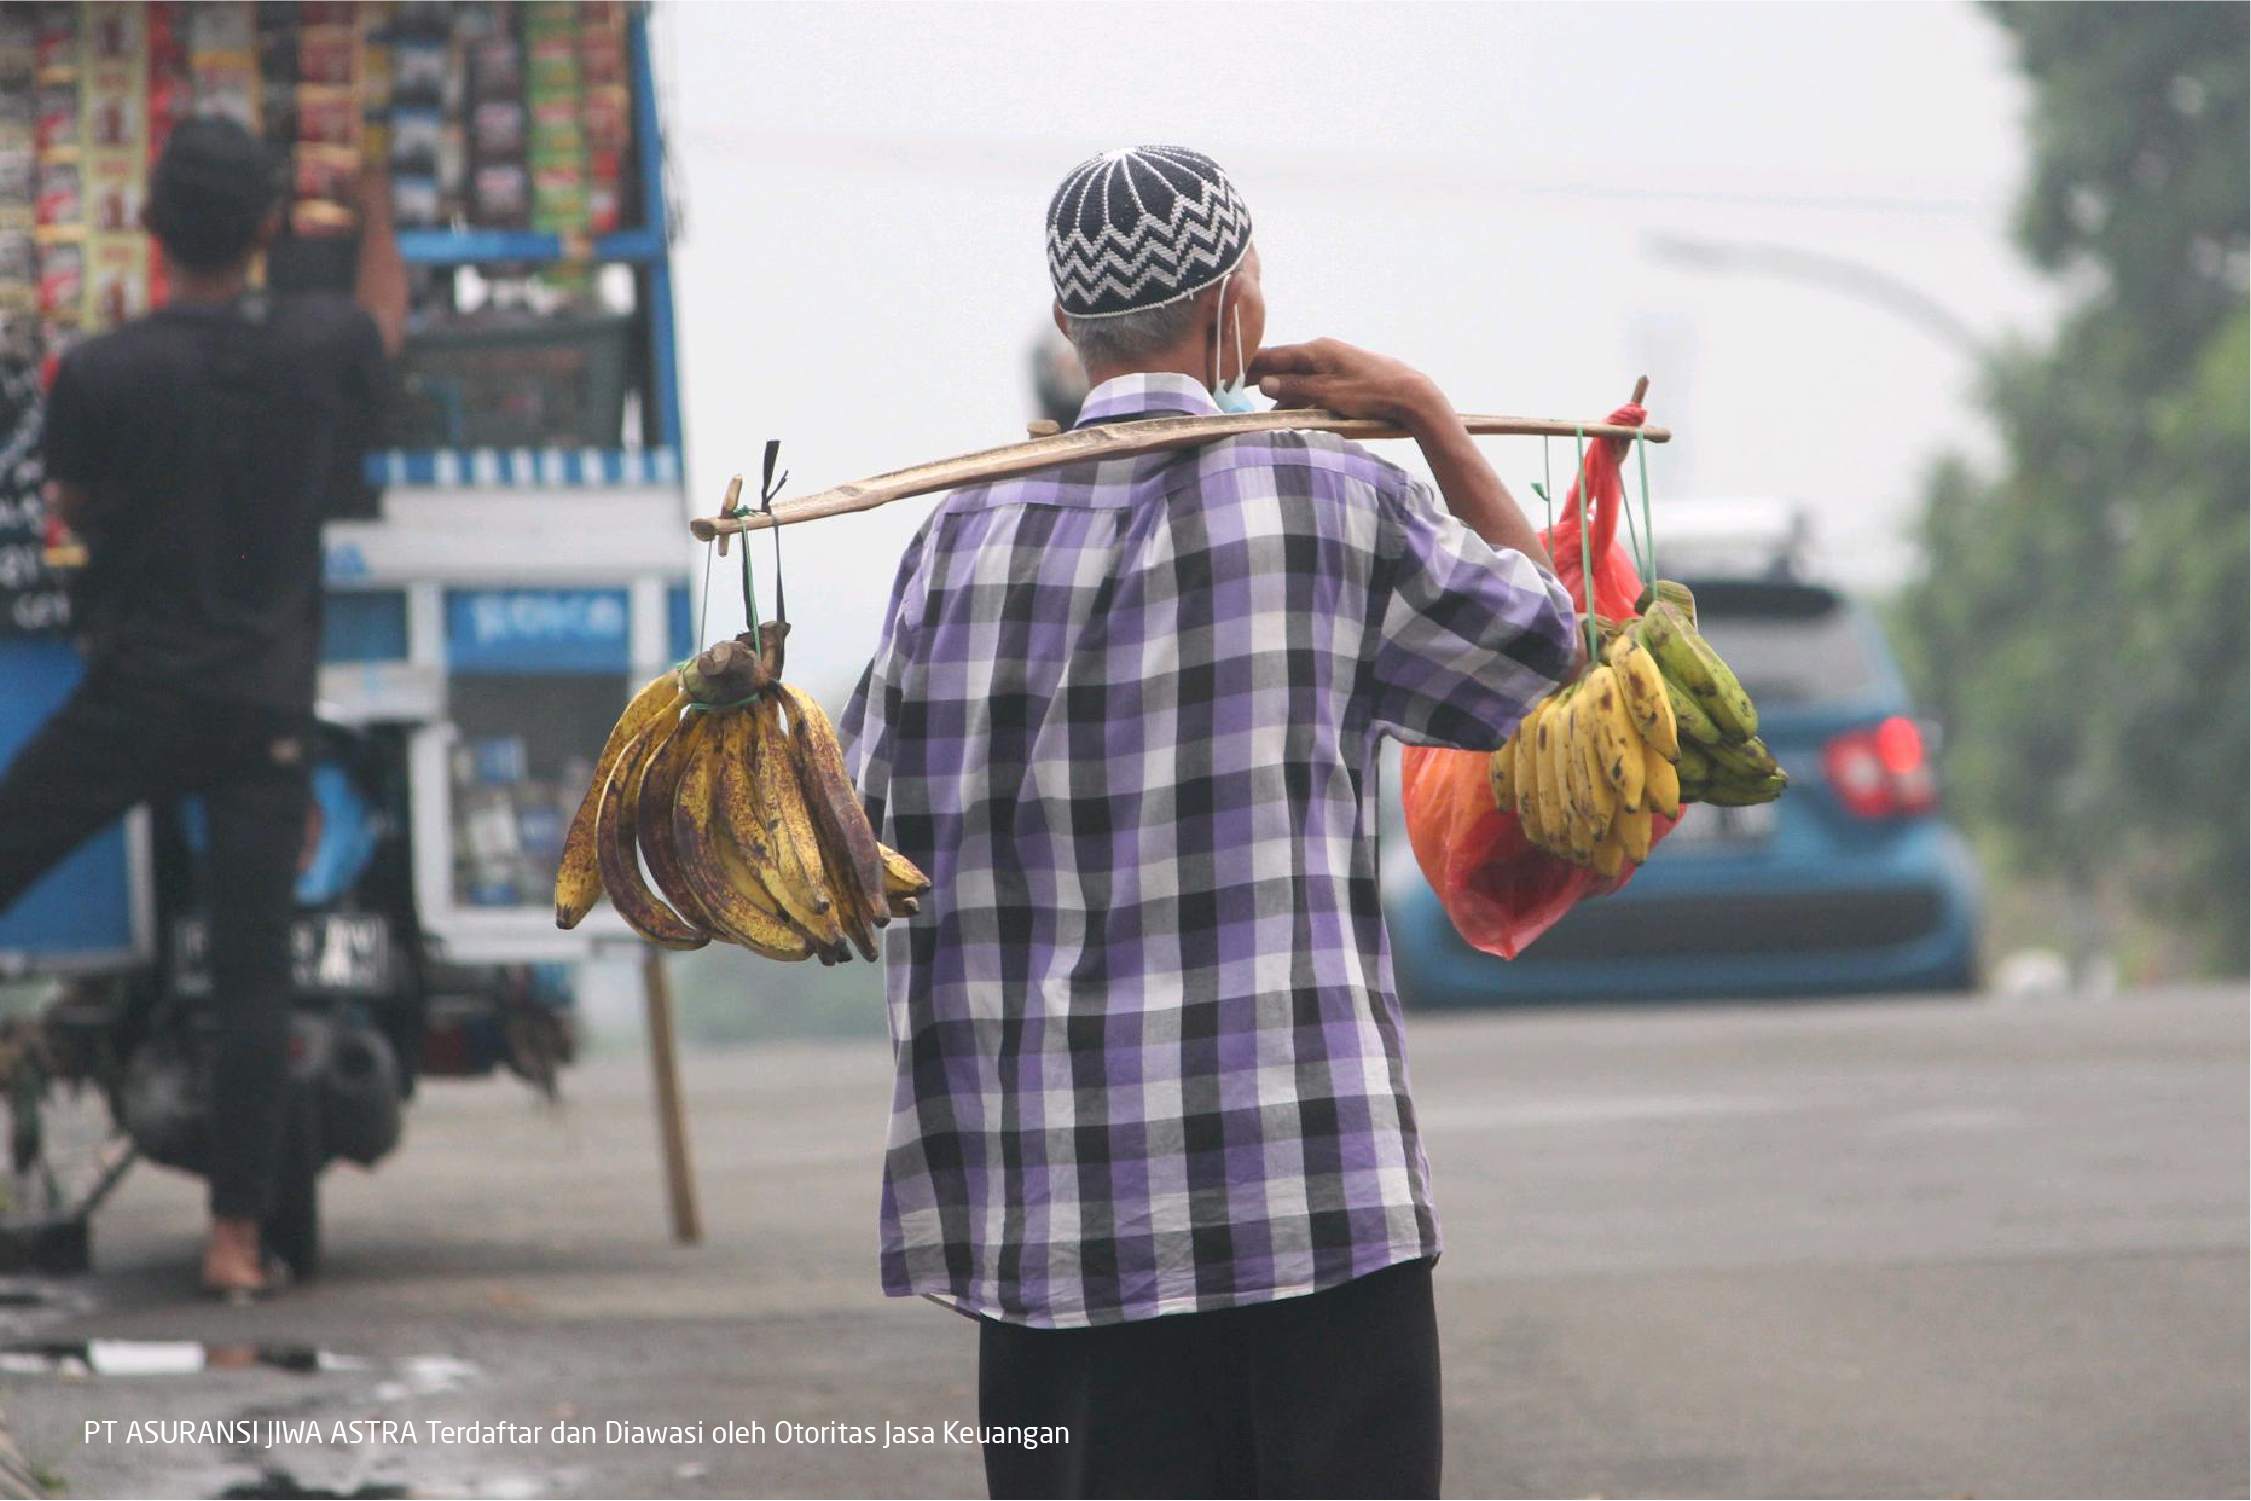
1852,882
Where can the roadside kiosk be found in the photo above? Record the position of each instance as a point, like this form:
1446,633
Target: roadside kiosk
514,561
518,565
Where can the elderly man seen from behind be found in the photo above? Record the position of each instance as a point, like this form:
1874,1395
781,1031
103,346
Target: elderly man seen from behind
1151,1125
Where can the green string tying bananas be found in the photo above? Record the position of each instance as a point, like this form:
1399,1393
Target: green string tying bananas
1658,722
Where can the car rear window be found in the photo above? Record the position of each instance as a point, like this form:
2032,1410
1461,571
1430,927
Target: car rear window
1789,643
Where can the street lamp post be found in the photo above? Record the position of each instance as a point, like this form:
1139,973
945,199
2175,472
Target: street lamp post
1863,283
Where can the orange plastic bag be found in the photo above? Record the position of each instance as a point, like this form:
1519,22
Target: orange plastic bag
1500,891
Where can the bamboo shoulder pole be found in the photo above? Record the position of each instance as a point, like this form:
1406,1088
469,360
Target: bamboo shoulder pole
672,1109
1113,440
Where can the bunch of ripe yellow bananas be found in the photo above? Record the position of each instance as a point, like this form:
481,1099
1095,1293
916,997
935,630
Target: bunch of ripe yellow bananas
740,811
1659,721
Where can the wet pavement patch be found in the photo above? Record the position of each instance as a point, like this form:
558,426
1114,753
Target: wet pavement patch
164,1357
274,1485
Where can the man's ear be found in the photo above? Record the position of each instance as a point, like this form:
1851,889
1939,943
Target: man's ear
1060,327
1212,322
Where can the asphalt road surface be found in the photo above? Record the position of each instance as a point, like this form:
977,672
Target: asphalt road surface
1915,1248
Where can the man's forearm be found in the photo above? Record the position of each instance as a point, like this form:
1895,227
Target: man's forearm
1474,493
380,287
1332,374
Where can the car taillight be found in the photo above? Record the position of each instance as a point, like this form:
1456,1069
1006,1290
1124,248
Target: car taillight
1882,772
316,823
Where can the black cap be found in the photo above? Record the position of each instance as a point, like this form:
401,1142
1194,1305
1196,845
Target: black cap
212,187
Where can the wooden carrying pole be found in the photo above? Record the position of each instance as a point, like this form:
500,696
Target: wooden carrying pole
672,1115
1113,440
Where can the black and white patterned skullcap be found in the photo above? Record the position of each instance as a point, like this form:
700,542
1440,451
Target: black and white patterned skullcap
1141,227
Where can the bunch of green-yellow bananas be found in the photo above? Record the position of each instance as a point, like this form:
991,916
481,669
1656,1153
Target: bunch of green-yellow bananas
1657,722
741,814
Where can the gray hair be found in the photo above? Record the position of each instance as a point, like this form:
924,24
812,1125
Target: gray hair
1122,338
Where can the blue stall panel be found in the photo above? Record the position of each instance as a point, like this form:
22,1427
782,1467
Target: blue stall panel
679,624
81,916
538,630
364,626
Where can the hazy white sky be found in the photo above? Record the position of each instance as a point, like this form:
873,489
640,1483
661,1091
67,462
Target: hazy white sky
1473,188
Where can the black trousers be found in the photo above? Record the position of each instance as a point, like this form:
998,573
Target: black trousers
118,742
1332,1394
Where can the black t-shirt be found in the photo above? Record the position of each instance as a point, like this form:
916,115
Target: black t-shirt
207,437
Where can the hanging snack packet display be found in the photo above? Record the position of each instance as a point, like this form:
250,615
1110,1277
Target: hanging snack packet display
115,94
496,67
171,87
222,26
113,182
19,279
56,111
58,198
328,115
607,110
420,64
19,172
417,144
427,179
325,94
223,59
328,56
277,76
57,42
488,116
19,47
226,84
61,204
556,95
62,275
500,196
117,279
497,131
114,33
320,172
499,128
375,81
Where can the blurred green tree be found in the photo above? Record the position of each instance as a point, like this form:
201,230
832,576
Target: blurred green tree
2080,624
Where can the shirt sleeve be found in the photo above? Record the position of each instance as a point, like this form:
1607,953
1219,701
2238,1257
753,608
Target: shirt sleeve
69,445
1470,636
879,702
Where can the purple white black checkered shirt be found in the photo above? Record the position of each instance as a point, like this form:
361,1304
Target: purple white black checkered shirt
1125,714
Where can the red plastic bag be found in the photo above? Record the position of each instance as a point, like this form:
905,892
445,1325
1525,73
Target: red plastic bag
1500,891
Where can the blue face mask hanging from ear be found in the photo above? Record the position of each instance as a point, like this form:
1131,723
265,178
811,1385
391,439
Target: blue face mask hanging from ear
1230,396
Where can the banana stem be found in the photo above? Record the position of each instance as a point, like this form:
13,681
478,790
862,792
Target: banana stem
726,672
769,643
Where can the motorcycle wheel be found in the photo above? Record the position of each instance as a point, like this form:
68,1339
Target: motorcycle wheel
292,1229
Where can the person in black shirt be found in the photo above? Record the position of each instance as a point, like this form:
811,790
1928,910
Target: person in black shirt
192,450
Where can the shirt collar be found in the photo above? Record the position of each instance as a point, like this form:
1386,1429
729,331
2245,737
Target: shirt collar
1154,393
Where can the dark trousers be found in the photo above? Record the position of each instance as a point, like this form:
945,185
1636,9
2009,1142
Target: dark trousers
116,743
1332,1394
